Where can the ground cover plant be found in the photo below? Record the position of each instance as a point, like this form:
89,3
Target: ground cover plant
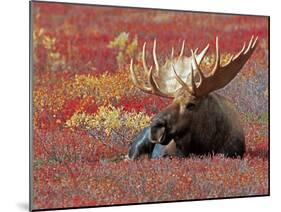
86,110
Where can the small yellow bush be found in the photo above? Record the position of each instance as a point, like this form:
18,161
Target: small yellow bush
109,118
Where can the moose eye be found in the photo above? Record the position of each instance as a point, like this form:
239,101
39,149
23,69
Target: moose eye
190,106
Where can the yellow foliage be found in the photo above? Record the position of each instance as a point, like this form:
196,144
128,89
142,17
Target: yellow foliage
109,118
126,48
48,42
120,41
131,48
208,61
100,87
103,88
44,100
135,120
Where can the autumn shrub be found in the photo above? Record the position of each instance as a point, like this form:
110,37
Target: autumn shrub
86,110
109,120
126,48
149,181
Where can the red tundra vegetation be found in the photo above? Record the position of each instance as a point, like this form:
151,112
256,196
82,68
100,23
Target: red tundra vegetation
86,110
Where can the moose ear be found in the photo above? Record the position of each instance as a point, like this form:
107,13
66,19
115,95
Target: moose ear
157,134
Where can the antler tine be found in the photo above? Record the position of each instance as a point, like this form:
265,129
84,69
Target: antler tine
152,87
133,75
222,75
255,41
154,56
155,88
143,59
201,75
172,53
183,84
240,52
229,60
249,45
136,82
182,49
217,61
194,88
201,55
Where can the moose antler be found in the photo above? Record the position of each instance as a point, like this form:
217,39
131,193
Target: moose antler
153,86
221,75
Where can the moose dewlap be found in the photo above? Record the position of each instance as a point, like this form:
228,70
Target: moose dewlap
199,121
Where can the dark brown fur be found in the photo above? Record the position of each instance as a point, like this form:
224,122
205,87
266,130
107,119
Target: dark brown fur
211,126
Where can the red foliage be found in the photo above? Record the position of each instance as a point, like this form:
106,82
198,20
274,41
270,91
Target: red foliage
78,104
88,31
143,103
72,168
257,140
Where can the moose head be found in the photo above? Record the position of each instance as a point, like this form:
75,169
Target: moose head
198,120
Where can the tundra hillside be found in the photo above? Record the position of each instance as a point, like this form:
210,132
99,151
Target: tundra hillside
86,110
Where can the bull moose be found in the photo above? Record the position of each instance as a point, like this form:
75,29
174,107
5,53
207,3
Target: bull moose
198,121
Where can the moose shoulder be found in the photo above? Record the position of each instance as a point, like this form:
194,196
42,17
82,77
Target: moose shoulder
198,121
